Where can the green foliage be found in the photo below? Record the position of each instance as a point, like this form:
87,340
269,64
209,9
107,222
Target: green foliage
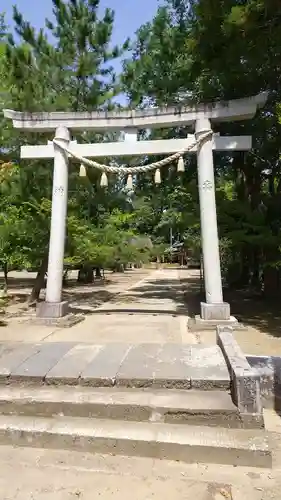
211,50
108,245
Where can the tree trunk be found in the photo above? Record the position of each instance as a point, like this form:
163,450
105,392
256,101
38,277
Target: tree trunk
244,279
39,282
65,277
271,274
271,282
255,279
86,274
5,269
98,273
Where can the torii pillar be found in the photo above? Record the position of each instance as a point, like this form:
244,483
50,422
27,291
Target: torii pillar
54,307
214,310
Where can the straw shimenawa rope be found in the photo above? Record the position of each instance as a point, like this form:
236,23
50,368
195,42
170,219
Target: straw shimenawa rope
107,169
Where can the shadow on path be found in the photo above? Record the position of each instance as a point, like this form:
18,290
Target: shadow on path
157,296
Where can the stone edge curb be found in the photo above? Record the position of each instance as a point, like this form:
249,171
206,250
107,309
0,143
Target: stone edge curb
269,369
245,380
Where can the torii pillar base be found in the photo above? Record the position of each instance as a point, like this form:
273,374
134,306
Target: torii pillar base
217,312
52,310
56,314
213,315
198,324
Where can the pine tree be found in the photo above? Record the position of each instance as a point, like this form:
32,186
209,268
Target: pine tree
67,66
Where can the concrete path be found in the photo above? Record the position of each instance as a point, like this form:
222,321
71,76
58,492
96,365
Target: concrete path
150,311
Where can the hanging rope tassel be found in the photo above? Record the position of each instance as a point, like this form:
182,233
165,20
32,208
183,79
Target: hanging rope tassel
129,182
82,171
157,178
180,165
104,180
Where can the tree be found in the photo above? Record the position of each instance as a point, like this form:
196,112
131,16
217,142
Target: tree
252,67
154,74
75,72
210,50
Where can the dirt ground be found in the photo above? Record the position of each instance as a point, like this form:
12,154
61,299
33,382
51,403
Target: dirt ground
63,475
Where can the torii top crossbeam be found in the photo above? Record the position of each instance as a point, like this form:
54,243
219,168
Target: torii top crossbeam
238,109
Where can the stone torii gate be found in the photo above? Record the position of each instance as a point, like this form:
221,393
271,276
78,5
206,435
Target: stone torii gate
214,310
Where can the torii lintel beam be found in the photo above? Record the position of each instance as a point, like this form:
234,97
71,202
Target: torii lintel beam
138,148
220,111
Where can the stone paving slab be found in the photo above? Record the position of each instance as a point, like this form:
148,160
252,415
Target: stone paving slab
39,364
71,365
14,355
208,368
174,365
157,365
154,364
104,367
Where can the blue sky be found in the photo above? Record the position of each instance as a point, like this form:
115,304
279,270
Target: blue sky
129,14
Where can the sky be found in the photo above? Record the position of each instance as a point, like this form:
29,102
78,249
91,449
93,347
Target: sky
129,14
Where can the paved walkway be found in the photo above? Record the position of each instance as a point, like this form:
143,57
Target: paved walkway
150,311
140,306
153,310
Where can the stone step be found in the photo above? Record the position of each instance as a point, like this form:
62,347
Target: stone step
212,408
192,407
190,444
173,366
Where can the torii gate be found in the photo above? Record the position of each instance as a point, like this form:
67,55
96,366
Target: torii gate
214,310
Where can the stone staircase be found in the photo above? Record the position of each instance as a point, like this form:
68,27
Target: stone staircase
178,402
